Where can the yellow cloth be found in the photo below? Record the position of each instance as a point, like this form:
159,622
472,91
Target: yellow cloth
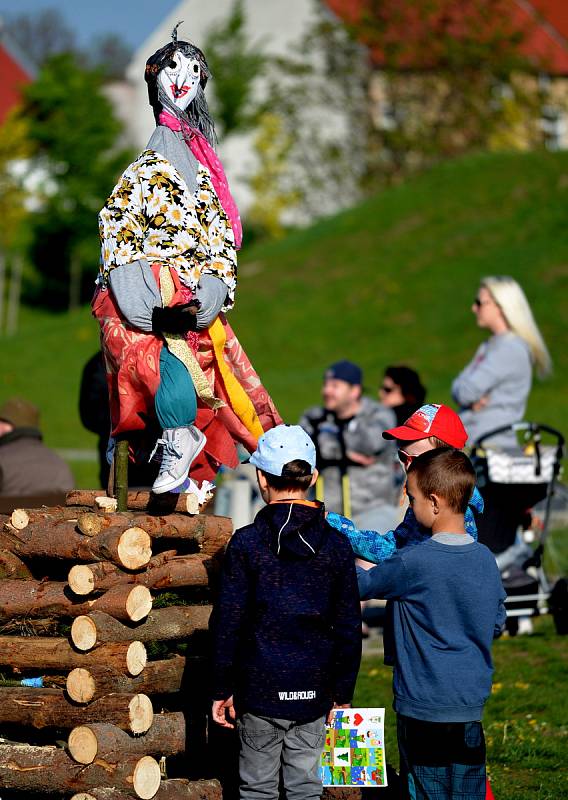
239,400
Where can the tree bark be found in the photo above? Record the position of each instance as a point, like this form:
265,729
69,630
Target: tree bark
50,769
163,571
175,789
32,652
141,501
20,518
21,598
12,568
100,740
131,549
50,708
208,532
163,624
159,677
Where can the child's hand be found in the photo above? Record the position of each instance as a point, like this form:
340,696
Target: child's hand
219,712
336,705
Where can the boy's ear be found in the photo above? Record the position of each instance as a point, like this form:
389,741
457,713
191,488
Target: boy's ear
261,480
436,502
315,476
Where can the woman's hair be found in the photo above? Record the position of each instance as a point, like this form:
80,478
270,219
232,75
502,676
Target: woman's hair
409,382
518,315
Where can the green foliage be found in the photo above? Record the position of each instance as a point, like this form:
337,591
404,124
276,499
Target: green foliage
14,146
73,134
234,66
524,720
453,79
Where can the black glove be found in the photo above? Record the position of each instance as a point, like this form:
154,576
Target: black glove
176,319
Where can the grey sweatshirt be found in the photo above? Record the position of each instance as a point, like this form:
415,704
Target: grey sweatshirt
501,369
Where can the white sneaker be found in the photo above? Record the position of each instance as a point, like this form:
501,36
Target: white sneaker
180,448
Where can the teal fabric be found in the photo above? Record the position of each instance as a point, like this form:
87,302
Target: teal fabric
176,402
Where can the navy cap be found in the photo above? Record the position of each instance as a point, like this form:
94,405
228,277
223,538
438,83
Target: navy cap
345,371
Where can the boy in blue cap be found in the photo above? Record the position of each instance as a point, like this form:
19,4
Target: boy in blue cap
286,626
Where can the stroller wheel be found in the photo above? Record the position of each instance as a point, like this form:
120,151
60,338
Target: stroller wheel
558,605
512,626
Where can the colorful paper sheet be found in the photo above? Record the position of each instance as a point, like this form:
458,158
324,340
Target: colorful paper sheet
354,750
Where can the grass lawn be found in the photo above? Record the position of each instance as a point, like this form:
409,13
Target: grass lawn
525,718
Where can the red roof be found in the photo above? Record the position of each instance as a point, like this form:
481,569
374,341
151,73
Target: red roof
544,24
14,77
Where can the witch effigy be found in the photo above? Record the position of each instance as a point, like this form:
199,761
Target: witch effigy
178,378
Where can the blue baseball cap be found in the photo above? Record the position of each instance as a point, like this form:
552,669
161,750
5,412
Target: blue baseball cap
280,445
345,371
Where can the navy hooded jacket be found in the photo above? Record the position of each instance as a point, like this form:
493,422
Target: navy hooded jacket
287,623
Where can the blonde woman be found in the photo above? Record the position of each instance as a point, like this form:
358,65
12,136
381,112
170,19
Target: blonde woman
493,388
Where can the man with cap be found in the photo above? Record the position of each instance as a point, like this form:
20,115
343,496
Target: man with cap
286,626
27,466
355,463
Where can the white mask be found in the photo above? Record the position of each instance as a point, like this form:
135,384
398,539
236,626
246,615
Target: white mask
180,81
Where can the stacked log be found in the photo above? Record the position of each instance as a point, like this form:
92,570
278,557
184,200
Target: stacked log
84,640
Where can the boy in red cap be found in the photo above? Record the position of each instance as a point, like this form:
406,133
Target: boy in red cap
432,425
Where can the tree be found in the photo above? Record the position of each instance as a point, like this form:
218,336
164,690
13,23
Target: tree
41,35
234,65
451,78
110,54
73,134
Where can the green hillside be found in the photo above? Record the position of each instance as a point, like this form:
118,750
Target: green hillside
389,281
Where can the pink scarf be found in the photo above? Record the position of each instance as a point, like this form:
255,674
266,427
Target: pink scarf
206,156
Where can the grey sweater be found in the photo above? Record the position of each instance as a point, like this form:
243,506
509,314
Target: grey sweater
501,369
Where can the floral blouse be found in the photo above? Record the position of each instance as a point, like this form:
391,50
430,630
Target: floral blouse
152,215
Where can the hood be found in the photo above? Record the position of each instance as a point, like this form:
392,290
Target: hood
20,433
296,531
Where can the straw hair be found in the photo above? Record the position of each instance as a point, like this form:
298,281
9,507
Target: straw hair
518,315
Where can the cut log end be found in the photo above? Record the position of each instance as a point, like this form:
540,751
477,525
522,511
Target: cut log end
84,633
134,548
80,685
140,713
146,778
136,658
82,744
20,519
108,504
138,603
81,579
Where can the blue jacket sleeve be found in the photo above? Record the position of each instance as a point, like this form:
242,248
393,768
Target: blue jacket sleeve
227,618
347,632
370,545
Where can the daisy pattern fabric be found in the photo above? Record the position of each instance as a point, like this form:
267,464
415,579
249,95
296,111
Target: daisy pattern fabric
152,215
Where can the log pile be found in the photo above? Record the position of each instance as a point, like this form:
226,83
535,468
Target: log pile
85,658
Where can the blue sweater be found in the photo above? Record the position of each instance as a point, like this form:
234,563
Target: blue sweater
287,623
449,604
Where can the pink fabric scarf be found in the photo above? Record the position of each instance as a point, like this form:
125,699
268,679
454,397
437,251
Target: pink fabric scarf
206,156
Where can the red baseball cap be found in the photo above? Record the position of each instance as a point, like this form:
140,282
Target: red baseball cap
433,419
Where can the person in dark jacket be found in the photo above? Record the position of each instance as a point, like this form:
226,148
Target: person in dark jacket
286,626
27,466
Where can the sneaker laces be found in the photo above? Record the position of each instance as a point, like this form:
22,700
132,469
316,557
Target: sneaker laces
169,453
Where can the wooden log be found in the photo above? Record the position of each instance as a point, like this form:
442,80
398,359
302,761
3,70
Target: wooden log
174,789
163,624
13,568
50,769
159,677
140,501
163,572
50,708
33,652
128,548
20,518
207,531
20,598
100,740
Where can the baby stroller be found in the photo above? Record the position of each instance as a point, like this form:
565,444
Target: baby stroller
512,480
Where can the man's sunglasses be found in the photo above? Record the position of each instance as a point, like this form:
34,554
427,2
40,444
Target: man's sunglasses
405,458
387,389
